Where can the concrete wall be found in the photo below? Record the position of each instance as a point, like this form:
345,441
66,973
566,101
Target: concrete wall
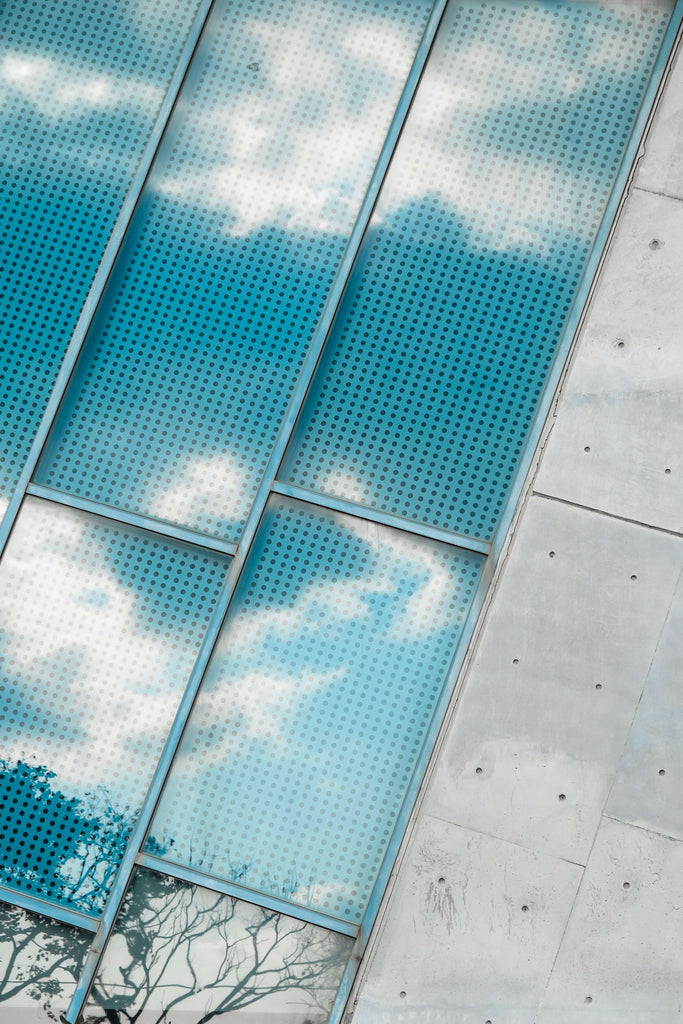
543,878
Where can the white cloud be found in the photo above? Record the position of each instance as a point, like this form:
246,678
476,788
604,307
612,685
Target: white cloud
58,88
293,146
93,677
296,156
255,704
208,489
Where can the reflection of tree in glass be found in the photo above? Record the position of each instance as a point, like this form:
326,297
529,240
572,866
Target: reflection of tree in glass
64,849
39,960
179,947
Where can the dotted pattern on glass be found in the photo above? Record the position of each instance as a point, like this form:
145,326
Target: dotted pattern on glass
80,87
40,961
177,403
206,955
315,703
101,625
443,342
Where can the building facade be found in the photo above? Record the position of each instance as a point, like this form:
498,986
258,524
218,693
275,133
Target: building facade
310,659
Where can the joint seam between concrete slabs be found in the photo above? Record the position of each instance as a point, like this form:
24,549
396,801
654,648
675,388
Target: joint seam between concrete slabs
643,828
501,839
609,515
655,192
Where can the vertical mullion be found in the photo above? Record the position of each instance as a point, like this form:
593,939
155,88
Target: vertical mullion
103,271
138,835
671,42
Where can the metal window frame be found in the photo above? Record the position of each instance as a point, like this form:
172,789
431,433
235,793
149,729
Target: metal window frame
271,485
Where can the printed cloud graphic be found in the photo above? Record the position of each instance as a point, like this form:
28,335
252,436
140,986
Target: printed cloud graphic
310,177
57,88
89,677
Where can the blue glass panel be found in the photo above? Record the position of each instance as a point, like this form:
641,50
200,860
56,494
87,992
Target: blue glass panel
188,370
40,961
80,87
100,628
181,953
444,339
314,706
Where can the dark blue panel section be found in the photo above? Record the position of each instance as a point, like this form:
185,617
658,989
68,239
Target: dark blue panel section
191,363
441,348
80,87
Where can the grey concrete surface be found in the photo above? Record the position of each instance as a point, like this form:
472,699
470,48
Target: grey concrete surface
531,717
661,169
617,444
472,932
649,788
620,961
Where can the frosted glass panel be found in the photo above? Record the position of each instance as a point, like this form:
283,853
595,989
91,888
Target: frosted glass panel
450,323
80,87
202,956
314,706
101,625
189,368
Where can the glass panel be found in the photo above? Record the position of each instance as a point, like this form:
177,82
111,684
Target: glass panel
101,625
40,961
184,955
443,343
298,753
79,92
192,361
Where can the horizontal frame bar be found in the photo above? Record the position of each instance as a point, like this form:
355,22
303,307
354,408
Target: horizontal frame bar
375,515
245,894
35,905
120,515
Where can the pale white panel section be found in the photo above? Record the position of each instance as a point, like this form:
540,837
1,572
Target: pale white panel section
531,718
617,444
662,166
458,943
649,788
620,961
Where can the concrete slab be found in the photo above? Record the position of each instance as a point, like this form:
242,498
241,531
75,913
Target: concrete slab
649,788
538,736
617,444
473,929
620,961
661,169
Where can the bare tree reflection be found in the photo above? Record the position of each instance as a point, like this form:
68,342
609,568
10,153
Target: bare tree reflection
39,960
178,947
